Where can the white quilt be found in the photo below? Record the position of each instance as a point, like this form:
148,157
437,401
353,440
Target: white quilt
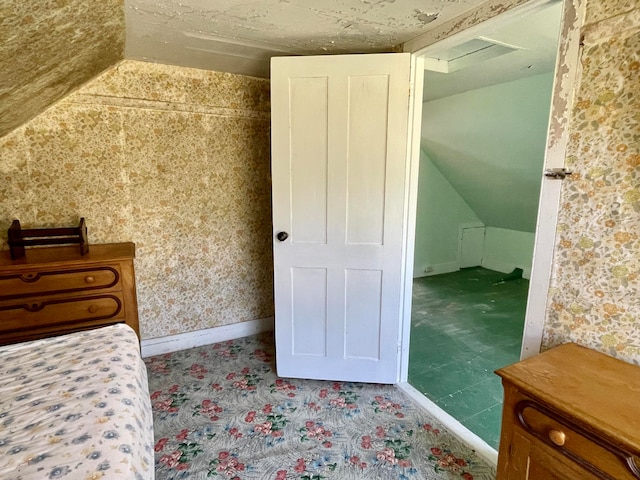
76,407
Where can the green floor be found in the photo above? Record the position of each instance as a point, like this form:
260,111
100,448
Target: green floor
465,325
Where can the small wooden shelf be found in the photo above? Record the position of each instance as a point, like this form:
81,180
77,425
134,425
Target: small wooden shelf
20,238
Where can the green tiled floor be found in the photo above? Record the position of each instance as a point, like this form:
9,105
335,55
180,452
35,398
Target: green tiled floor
465,325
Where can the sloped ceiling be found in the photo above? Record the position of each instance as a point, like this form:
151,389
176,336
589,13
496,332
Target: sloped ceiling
484,126
489,144
50,47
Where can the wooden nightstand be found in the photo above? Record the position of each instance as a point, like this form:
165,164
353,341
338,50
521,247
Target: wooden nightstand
57,290
570,413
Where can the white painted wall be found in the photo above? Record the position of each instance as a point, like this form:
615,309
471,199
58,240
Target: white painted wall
505,250
489,143
481,165
440,212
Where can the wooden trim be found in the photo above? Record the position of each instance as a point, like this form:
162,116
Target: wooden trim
174,343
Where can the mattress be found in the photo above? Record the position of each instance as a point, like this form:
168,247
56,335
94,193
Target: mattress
77,407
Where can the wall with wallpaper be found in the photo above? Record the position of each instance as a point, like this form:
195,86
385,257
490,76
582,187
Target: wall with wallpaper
177,160
595,284
173,159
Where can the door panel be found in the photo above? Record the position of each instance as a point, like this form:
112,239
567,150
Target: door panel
362,315
366,158
339,140
309,159
309,294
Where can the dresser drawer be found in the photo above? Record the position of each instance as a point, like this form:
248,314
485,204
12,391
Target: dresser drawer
47,282
586,449
21,315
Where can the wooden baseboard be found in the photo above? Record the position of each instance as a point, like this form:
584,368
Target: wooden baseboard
182,341
482,448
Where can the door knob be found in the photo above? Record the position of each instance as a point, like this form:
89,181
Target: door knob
282,236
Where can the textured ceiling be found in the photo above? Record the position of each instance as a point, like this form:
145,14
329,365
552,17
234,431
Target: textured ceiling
241,35
50,47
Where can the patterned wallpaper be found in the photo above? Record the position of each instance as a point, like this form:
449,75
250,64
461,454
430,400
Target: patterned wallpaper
177,160
173,159
595,295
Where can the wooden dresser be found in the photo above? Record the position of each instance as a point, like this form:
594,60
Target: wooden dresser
56,290
570,413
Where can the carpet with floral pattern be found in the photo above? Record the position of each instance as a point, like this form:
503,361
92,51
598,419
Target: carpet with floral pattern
220,411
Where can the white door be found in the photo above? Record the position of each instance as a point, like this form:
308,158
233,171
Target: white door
339,143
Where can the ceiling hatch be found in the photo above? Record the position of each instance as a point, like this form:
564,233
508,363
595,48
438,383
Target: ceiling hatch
471,52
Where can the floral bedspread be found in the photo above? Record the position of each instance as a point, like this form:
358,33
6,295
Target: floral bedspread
76,406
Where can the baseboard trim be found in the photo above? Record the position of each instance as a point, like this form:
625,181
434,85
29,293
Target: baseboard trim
497,265
437,269
482,448
182,341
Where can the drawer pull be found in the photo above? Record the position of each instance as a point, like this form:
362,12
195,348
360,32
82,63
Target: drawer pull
93,308
89,279
557,437
34,307
30,277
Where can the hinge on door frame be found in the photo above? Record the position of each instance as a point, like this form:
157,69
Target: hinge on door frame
557,173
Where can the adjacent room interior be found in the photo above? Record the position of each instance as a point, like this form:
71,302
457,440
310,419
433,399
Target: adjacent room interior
486,103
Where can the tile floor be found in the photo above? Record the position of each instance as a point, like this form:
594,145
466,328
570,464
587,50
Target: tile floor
465,325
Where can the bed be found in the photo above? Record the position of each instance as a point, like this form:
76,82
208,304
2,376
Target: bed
76,406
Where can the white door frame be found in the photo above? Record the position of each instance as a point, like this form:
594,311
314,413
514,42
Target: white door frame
413,161
567,62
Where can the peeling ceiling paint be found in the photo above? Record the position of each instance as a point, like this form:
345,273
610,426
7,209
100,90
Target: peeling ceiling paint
241,35
48,48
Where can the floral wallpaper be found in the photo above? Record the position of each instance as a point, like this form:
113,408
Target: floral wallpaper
173,159
177,160
595,294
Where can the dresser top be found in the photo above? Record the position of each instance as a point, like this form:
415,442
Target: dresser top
586,386
53,255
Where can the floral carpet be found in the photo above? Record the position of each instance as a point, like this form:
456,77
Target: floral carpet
220,411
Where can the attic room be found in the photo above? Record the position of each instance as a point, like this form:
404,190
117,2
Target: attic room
162,138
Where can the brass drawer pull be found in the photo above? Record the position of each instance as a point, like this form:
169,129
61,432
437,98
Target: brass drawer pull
93,308
89,279
557,437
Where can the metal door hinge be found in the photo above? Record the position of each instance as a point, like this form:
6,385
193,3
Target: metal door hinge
557,173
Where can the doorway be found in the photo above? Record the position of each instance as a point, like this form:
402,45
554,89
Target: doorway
485,117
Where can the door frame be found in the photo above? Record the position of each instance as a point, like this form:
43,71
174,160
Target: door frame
566,72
